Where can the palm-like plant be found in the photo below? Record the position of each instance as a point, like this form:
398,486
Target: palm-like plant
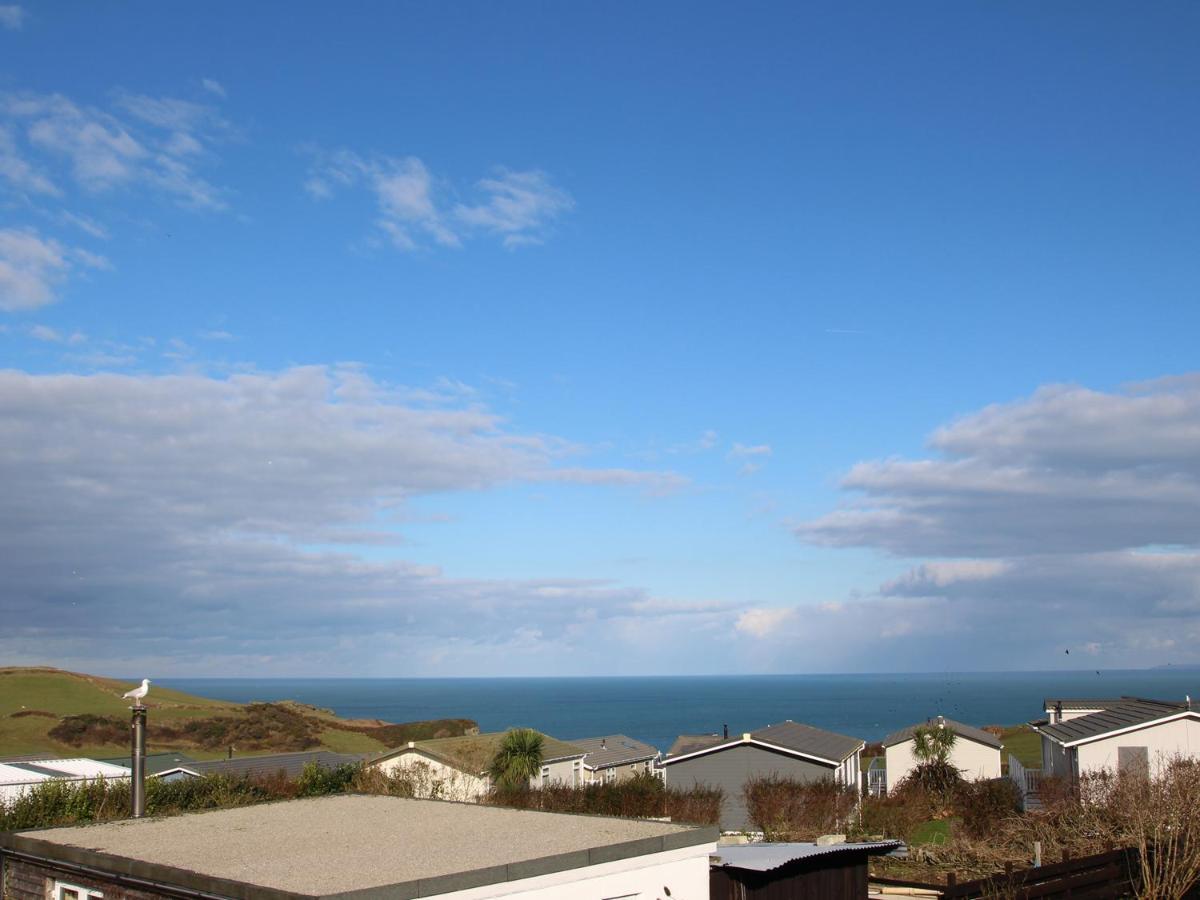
934,775
518,760
933,743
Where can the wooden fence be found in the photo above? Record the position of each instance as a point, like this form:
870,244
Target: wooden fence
1105,876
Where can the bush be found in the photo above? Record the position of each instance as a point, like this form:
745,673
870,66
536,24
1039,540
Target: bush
981,805
895,816
317,781
934,784
60,802
697,805
785,809
641,797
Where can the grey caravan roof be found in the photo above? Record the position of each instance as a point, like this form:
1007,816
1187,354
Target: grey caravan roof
614,750
1129,712
967,731
291,764
804,740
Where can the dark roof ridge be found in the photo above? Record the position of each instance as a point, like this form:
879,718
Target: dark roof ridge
970,732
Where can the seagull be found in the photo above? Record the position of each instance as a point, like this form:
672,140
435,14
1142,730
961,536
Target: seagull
138,693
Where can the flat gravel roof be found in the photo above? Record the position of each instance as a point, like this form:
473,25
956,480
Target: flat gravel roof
330,845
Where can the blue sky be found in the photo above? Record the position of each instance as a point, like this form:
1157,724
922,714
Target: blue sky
706,338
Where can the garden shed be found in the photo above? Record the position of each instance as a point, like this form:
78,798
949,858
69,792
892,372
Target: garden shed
799,871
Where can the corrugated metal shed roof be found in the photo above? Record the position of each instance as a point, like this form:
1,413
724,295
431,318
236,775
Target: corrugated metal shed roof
966,731
765,857
614,750
1127,713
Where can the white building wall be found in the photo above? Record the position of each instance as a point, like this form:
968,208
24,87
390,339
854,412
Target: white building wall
444,782
684,872
1180,737
975,760
434,778
562,771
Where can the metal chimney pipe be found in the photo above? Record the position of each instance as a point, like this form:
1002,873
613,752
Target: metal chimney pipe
137,782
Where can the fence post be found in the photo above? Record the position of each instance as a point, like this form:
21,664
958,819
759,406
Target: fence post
137,775
1037,854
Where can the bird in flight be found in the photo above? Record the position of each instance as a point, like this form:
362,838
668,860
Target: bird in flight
138,693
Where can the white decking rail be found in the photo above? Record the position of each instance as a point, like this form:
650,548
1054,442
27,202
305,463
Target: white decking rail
1028,781
877,777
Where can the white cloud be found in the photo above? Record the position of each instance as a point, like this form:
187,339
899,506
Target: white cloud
1067,470
54,336
755,457
150,142
761,622
12,17
741,451
19,172
242,505
519,207
213,87
32,267
416,209
86,225
1048,523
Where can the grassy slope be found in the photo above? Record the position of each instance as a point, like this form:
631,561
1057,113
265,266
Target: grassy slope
68,693
1024,743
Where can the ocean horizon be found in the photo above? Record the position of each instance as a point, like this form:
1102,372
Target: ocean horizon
657,709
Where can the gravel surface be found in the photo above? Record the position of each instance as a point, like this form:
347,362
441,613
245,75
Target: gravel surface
331,844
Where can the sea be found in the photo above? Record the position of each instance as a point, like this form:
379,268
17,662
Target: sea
658,709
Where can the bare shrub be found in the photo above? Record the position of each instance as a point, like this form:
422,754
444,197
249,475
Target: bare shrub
892,816
934,784
644,796
697,805
785,809
981,805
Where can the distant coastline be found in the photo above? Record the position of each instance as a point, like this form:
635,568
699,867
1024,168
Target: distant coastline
658,708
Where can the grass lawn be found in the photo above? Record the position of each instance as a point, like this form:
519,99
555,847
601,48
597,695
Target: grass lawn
34,700
1024,743
936,831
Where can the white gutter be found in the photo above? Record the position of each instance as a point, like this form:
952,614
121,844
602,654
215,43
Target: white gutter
746,741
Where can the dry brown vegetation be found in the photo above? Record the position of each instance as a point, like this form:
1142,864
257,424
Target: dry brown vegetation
258,726
1157,818
788,810
642,797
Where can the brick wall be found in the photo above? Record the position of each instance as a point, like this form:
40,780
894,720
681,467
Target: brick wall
29,881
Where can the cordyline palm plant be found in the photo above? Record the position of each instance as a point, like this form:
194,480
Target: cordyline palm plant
518,760
933,743
934,776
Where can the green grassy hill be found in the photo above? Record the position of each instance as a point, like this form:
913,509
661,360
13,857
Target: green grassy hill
57,713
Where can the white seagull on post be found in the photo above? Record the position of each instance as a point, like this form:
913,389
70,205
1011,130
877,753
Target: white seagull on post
138,693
